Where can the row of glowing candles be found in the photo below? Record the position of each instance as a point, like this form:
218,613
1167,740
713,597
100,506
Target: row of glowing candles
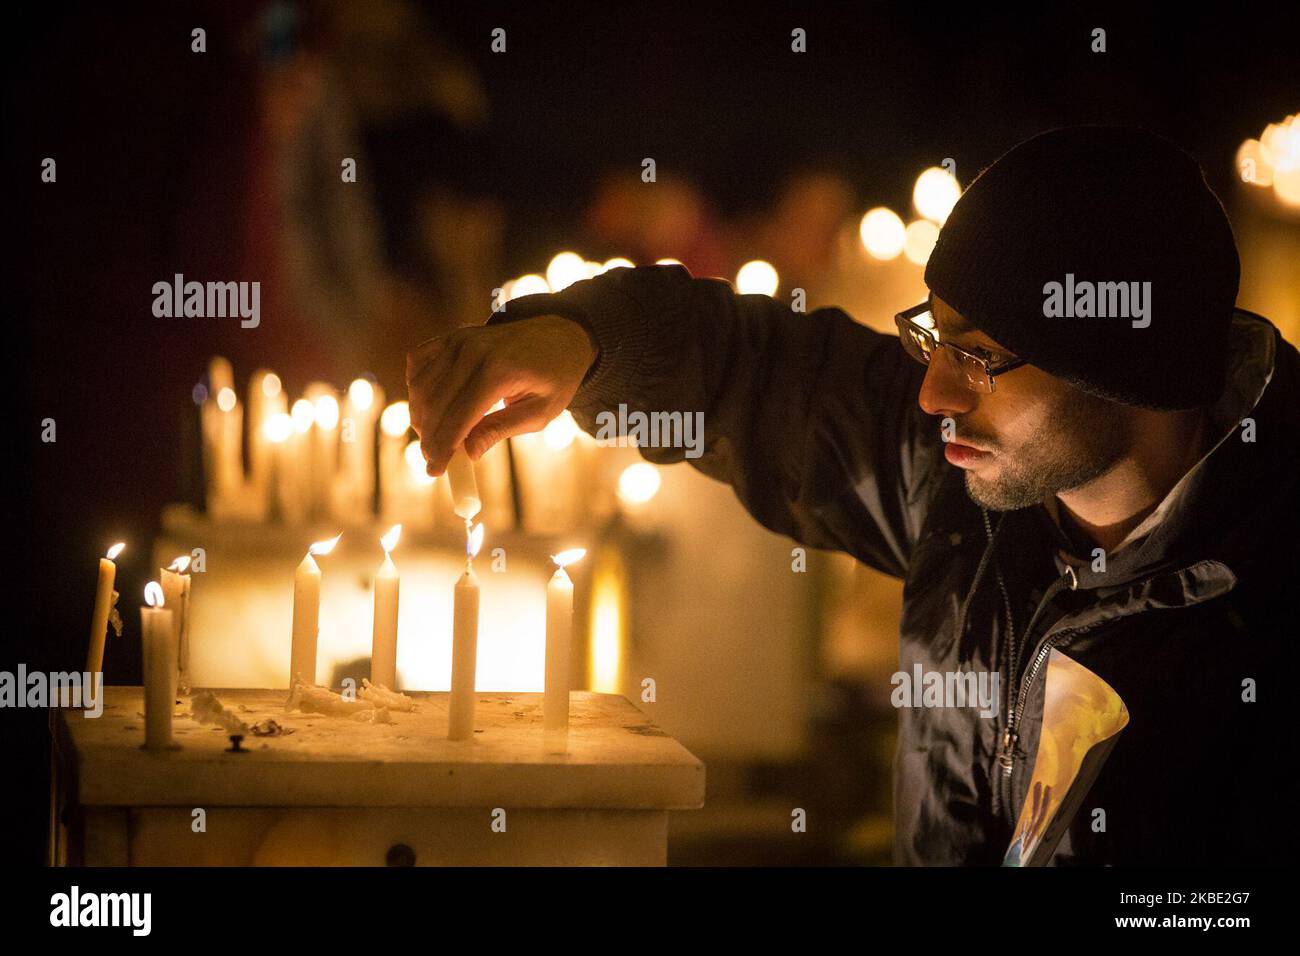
164,619
882,231
1271,161
318,461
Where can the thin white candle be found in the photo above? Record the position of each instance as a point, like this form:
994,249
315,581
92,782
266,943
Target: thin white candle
159,658
176,587
464,489
394,424
559,640
383,645
306,613
464,644
357,450
99,617
266,399
323,455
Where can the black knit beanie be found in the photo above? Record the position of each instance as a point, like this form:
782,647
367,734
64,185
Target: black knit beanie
1100,255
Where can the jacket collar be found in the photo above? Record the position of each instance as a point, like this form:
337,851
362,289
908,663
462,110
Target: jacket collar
1159,557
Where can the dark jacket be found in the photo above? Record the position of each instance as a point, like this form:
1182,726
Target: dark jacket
813,420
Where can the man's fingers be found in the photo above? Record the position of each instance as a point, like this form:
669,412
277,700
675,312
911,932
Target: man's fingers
420,356
466,408
428,391
528,415
445,395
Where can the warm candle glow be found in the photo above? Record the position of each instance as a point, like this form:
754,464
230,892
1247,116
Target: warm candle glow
271,385
606,632
757,278
115,550
560,431
361,394
302,414
474,541
389,541
882,233
226,399
396,420
564,270
415,464
530,284
180,565
618,262
153,594
325,547
935,193
566,558
277,428
327,412
638,483
919,240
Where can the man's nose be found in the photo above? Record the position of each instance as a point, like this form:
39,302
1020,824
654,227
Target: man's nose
942,391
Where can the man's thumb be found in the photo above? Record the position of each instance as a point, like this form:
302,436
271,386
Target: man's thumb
524,416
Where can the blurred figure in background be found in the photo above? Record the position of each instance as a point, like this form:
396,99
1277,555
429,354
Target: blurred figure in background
352,262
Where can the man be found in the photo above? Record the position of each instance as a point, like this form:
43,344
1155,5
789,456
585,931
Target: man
1081,446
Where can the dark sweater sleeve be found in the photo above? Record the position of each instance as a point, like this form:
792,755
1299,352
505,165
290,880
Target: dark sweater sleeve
812,419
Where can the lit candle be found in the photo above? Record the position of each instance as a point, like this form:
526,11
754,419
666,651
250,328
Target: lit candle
276,430
266,399
358,450
394,424
159,658
383,645
293,464
419,490
559,638
464,644
306,613
324,447
105,597
223,431
176,596
220,377
464,489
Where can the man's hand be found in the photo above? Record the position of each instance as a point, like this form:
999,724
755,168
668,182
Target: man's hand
535,365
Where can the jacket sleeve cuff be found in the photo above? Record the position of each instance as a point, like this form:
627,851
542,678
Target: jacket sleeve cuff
615,325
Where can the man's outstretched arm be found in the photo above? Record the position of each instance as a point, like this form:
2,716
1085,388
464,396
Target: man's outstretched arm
812,419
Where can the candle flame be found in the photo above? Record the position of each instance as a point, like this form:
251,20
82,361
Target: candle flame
277,428
474,541
153,594
560,432
327,412
226,399
271,385
115,550
303,415
389,541
180,564
395,420
565,558
361,394
415,464
325,547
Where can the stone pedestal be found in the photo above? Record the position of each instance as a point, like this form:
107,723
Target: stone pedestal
337,791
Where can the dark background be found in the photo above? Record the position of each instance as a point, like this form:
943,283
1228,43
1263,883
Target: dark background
138,123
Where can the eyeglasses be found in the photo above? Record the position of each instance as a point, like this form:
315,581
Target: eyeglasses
919,339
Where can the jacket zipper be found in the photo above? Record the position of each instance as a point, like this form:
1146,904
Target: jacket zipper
1011,735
